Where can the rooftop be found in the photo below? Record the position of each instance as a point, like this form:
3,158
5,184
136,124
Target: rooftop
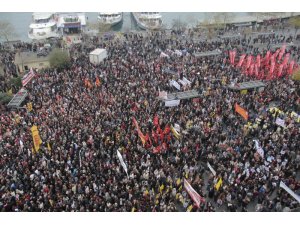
28,57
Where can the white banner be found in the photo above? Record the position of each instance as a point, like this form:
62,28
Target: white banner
194,195
280,122
21,144
211,169
122,161
186,81
175,84
172,103
288,190
177,127
259,149
182,82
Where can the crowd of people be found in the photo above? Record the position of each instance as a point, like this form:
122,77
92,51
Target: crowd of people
85,113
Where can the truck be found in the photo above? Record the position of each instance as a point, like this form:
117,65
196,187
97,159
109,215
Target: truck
98,55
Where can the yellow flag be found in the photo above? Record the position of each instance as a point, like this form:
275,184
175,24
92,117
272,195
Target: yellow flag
218,185
161,188
176,134
146,192
9,92
48,146
17,119
189,208
36,138
133,209
244,92
178,181
29,106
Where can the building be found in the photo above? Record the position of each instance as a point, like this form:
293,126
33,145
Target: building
26,60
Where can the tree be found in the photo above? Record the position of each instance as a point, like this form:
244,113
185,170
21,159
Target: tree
100,27
177,24
6,30
224,18
211,24
296,75
16,81
295,22
5,98
59,59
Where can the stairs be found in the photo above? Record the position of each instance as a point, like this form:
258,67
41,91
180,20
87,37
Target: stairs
18,99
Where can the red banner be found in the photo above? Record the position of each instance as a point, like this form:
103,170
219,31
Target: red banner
193,194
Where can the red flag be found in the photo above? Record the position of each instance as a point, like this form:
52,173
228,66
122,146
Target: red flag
232,56
280,70
256,71
282,51
258,60
249,60
251,69
272,67
167,129
242,57
157,149
86,82
291,66
155,121
154,136
267,57
97,82
241,111
286,59
89,85
141,135
148,141
276,53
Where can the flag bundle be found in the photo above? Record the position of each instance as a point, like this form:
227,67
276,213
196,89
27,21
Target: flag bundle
271,66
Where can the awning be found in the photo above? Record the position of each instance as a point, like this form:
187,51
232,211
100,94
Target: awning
247,85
